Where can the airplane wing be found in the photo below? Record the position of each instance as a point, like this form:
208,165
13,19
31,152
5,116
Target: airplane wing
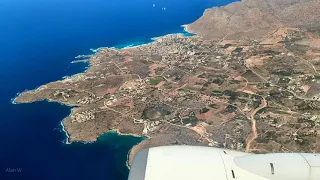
207,163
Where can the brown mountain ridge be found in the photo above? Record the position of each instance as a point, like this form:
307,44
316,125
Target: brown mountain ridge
255,18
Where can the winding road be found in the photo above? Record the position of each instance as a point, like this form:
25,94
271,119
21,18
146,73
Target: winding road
253,121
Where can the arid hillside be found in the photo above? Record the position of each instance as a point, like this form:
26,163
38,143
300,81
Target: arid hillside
256,18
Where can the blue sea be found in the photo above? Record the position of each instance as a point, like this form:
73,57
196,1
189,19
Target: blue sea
38,40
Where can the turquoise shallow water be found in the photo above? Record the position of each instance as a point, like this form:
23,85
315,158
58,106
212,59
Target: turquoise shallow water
140,41
38,40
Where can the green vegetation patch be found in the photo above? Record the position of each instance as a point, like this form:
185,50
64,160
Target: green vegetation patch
271,52
262,111
317,77
191,89
216,93
155,81
235,82
214,106
251,77
156,112
204,110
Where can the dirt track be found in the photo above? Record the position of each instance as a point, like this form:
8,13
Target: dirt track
254,129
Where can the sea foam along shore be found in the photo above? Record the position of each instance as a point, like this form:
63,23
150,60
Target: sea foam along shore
66,141
13,100
140,43
187,32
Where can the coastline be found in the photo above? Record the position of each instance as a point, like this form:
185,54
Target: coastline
129,152
184,33
67,140
188,32
13,100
